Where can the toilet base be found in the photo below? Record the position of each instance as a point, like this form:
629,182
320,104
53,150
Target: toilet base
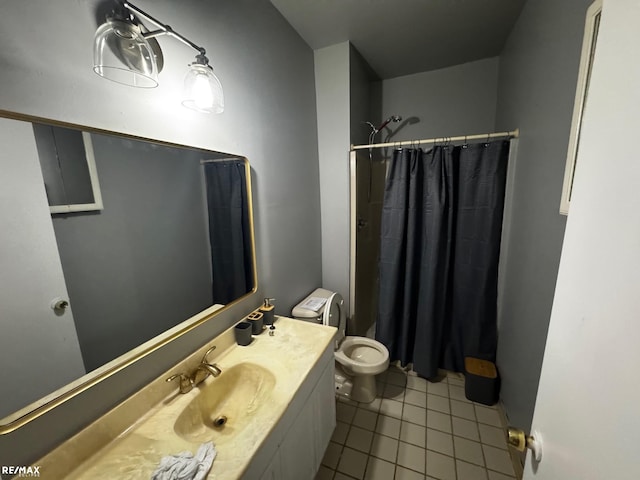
344,385
364,388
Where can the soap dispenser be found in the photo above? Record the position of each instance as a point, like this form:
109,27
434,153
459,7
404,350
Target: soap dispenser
268,309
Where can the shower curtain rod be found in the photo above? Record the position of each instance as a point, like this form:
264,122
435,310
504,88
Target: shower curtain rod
486,136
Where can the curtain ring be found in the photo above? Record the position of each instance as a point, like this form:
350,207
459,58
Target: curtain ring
486,144
465,144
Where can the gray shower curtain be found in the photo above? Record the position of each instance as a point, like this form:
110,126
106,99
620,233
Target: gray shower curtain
438,266
229,230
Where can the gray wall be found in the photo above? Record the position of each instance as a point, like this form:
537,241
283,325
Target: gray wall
267,73
333,100
538,74
451,101
146,252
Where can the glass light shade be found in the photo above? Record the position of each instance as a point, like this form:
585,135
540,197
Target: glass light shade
202,90
123,55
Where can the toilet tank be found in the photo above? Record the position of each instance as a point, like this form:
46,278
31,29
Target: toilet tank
311,307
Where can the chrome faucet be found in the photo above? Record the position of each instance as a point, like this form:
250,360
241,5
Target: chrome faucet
202,371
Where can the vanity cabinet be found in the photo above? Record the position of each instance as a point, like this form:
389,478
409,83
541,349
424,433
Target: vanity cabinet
311,423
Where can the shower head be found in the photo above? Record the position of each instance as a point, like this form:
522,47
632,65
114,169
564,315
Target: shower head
392,118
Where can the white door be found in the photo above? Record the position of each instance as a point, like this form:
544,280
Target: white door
588,405
35,342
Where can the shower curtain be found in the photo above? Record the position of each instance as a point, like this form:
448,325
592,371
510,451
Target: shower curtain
229,229
438,266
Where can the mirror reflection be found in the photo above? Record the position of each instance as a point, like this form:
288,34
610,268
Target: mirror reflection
171,239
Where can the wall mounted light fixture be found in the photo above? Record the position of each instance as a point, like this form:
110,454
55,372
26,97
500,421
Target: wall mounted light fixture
126,52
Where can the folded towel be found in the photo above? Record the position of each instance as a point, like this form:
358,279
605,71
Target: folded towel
186,466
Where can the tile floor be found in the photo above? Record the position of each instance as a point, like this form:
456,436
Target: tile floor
417,429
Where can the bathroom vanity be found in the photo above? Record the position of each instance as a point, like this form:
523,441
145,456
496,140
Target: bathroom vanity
274,400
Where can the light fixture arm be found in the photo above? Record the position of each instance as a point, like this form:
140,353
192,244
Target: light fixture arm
163,29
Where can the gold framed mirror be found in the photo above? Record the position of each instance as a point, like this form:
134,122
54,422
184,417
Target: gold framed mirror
89,293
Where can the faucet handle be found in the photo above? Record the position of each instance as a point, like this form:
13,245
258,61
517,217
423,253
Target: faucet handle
204,358
185,382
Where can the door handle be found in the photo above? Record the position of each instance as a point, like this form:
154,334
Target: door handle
516,438
59,305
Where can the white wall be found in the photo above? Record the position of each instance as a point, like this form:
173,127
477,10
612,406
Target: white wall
451,101
538,74
270,117
332,98
587,404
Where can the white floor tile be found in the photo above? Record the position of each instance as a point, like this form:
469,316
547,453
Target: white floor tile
498,460
414,397
459,381
438,403
440,442
438,388
391,408
440,466
385,448
465,428
411,457
340,432
414,434
469,451
494,436
352,463
388,426
488,415
332,455
359,439
439,421
417,383
342,476
365,419
499,476
406,474
463,410
413,414
378,469
456,392
345,412
396,378
394,392
466,471
324,473
395,437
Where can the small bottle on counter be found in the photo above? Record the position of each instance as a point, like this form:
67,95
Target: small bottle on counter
268,310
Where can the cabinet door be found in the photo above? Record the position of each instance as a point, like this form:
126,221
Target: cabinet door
297,450
273,471
324,412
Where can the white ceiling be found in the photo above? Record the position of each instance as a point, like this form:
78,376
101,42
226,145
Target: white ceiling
401,37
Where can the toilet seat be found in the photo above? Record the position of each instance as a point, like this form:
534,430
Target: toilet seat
363,355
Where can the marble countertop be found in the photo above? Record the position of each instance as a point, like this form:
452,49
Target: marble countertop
288,356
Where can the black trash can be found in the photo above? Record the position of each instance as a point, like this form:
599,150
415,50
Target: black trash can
482,381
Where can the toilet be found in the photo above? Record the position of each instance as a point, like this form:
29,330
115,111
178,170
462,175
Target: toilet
358,359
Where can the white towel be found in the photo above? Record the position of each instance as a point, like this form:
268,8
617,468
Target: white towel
186,466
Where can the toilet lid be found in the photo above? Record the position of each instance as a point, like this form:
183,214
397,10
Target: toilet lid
334,314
